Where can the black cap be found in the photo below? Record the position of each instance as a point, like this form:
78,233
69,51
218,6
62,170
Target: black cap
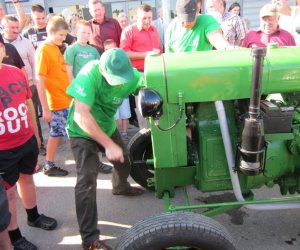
186,10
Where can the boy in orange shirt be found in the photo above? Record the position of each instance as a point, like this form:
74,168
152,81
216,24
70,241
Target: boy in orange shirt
52,77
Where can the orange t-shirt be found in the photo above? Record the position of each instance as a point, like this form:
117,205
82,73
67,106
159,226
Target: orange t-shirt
51,64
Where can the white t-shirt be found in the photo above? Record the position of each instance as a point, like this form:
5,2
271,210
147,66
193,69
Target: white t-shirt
290,23
26,51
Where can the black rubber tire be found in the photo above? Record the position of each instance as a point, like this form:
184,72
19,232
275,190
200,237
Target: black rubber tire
178,229
140,148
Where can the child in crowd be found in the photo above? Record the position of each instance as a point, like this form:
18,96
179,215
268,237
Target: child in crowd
19,144
80,53
123,113
52,82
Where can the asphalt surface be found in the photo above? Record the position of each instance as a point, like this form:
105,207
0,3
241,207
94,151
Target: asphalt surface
251,230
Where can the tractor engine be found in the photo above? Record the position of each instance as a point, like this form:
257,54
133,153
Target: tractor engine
257,92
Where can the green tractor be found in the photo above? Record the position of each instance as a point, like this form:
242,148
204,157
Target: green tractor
220,121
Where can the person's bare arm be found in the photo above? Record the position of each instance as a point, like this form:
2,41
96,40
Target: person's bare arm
24,73
139,55
31,112
70,72
85,120
217,40
126,42
43,98
31,52
20,12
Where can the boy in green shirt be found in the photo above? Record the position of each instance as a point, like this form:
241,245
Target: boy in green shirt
80,53
98,91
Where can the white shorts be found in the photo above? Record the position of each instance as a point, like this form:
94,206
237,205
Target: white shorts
123,111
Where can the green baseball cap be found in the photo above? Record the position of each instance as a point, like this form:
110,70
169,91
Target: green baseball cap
117,67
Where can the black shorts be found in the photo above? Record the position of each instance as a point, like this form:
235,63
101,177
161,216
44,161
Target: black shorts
4,211
22,159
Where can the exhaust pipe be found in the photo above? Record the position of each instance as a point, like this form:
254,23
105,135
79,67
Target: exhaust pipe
252,142
234,175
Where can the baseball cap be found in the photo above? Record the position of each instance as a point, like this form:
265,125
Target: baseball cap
117,67
186,10
268,10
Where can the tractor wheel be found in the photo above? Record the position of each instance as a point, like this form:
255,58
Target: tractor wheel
177,230
140,148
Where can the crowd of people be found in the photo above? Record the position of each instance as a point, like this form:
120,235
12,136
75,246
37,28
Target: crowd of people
79,76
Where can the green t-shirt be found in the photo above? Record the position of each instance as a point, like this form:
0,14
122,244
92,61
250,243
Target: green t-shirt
91,88
78,55
179,39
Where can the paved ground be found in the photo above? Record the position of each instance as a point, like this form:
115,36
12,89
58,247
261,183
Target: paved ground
252,230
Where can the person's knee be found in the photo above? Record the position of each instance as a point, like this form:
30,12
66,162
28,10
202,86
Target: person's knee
87,182
11,193
26,179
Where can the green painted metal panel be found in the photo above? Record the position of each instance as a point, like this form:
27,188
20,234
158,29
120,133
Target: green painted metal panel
167,179
212,171
223,75
174,151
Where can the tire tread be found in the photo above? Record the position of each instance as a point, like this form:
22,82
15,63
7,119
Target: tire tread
176,224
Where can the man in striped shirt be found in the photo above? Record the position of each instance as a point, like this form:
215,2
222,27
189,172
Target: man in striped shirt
233,27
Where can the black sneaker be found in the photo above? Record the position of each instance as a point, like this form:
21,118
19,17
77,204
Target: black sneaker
42,150
23,244
55,171
104,168
134,122
43,222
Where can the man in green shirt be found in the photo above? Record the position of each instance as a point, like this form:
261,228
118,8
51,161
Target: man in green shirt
192,32
98,90
79,54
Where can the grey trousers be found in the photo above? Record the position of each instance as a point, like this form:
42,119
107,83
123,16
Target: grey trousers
87,166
